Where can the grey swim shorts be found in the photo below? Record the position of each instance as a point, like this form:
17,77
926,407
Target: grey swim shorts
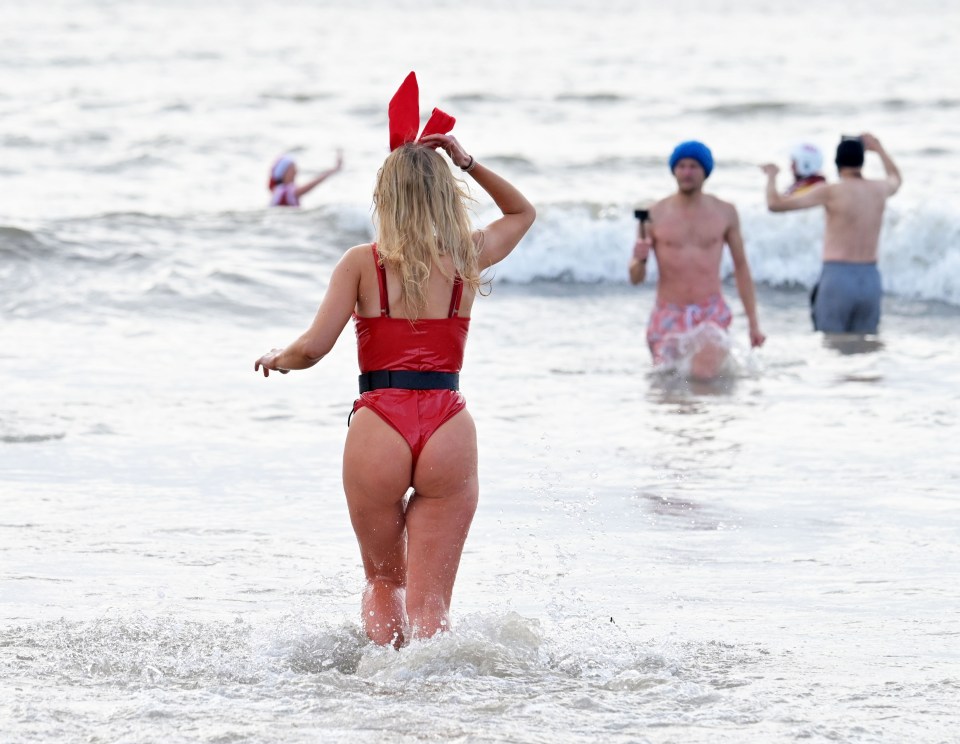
846,298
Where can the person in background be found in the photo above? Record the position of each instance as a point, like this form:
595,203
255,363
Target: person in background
846,298
806,162
411,295
687,232
284,191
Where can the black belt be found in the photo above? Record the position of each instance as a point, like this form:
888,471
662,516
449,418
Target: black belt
409,379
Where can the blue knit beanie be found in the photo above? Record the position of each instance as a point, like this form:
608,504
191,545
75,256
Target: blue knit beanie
692,149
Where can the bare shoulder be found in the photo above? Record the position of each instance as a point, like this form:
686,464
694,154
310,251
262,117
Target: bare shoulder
357,253
356,260
835,188
727,209
661,205
828,192
883,187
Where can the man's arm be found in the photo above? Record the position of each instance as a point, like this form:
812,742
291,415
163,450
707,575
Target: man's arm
641,252
894,179
741,273
804,200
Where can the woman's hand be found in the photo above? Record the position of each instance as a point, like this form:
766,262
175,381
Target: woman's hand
269,362
450,145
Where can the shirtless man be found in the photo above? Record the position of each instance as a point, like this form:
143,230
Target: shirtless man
846,298
687,231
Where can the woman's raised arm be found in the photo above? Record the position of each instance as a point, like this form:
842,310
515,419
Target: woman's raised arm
502,235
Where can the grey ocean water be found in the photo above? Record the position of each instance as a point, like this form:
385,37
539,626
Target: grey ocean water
771,559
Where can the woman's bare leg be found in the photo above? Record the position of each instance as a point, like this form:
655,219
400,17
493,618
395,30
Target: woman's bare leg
438,519
376,476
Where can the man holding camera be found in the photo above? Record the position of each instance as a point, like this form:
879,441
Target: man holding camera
687,232
846,298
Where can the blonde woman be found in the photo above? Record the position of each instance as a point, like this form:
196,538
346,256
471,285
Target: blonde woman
411,294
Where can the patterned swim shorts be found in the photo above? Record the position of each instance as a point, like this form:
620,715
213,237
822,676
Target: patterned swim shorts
670,324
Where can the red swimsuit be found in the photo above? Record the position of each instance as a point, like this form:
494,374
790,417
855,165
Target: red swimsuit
427,344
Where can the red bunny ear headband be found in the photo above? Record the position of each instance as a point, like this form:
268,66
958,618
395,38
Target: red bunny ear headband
404,115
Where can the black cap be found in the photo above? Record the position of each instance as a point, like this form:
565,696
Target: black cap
850,154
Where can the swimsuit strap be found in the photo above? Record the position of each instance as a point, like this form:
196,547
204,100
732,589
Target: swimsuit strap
382,282
456,297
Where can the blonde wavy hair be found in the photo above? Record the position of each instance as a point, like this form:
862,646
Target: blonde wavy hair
420,214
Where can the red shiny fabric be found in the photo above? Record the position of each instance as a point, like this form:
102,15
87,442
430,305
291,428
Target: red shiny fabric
428,344
403,115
